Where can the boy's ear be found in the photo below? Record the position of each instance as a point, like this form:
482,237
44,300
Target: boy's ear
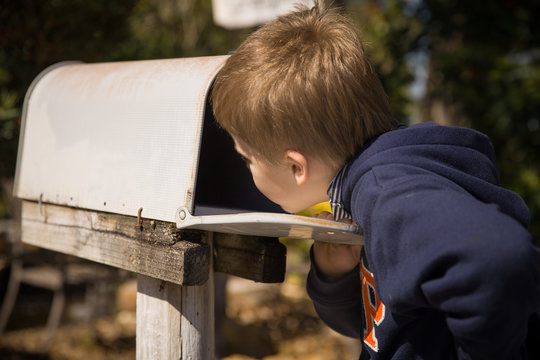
298,165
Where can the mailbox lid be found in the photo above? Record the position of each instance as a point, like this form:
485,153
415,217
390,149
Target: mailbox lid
272,225
115,137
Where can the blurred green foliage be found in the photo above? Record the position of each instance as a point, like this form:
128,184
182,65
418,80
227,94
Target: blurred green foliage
390,36
482,61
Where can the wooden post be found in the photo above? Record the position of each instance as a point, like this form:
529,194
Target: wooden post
159,318
174,321
198,316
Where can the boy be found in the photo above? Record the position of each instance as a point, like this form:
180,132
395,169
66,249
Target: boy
447,269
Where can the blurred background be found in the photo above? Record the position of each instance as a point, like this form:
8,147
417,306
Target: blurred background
456,62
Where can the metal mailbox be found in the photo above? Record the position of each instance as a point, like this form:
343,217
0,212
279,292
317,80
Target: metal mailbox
139,137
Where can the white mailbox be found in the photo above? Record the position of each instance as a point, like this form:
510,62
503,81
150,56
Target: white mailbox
139,138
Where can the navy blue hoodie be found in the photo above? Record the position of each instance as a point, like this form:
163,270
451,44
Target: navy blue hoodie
448,266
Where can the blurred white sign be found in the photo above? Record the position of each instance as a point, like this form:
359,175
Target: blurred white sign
235,14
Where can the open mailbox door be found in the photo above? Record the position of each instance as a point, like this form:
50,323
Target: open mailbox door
120,137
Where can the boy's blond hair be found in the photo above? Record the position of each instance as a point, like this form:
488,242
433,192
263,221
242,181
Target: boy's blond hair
302,82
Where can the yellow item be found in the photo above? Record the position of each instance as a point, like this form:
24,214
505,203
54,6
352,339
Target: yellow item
315,209
303,245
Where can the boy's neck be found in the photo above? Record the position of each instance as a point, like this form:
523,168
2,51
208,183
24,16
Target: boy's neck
321,175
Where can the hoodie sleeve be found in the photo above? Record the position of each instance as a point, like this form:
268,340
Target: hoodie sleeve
436,247
338,303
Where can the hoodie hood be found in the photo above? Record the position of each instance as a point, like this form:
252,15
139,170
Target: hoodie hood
461,155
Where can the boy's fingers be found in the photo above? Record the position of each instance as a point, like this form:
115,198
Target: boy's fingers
335,260
328,216
324,215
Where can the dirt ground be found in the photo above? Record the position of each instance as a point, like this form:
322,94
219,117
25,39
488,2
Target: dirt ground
260,321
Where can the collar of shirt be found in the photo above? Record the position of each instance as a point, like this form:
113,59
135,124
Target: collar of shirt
336,185
334,196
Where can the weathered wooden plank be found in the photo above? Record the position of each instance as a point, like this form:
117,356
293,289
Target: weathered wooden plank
257,258
156,249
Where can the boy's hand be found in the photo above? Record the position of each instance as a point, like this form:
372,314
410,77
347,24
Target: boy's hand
334,260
